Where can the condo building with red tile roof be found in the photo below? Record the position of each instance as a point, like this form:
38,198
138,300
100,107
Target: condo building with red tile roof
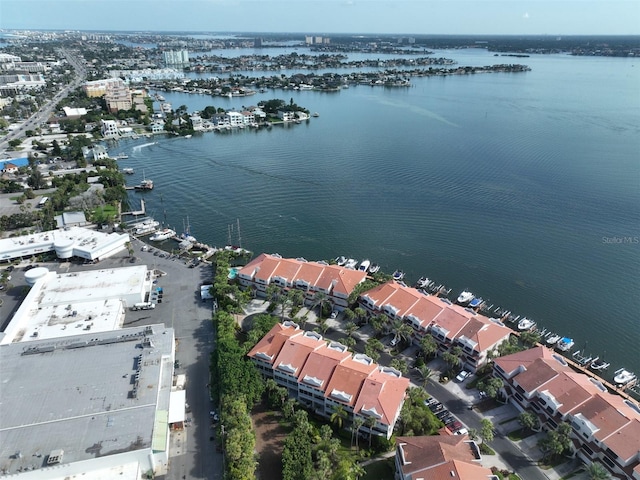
450,325
605,426
439,458
323,375
335,281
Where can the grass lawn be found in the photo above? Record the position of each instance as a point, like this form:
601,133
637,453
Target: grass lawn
381,469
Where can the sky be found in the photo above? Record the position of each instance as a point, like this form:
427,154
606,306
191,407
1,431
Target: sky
418,17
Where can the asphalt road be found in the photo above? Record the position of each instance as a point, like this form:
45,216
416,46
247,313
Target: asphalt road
43,114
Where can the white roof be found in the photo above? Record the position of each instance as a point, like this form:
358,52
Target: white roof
62,305
177,405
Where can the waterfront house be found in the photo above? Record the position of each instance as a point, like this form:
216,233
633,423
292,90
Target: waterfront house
286,115
439,456
310,277
324,375
157,127
450,325
109,129
605,426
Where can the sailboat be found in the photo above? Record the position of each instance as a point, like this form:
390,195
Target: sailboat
145,184
235,248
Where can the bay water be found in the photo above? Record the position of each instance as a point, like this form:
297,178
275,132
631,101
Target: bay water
523,188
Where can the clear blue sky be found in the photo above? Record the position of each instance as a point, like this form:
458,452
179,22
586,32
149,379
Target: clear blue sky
554,17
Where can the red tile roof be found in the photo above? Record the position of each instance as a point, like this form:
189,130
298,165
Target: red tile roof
347,379
381,394
436,457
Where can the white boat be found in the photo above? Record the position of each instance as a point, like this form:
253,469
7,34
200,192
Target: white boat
598,365
128,171
398,275
423,282
526,324
465,297
351,263
146,228
121,156
341,260
163,234
364,265
623,377
552,339
187,136
374,268
565,344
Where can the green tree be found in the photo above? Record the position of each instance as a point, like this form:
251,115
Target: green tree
528,420
486,430
595,471
350,328
320,300
370,423
400,365
425,373
492,387
338,416
428,346
530,339
356,425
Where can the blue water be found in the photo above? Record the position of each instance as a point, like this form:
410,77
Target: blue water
523,188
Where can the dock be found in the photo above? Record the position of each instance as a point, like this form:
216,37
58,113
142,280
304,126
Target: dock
135,213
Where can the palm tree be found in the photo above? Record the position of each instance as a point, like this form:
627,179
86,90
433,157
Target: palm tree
338,416
425,372
361,314
486,430
428,346
596,471
320,299
404,332
370,423
350,328
273,292
356,425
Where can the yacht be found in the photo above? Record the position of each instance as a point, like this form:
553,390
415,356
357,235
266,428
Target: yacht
351,263
364,265
565,344
623,377
465,297
526,324
163,234
374,268
341,260
398,275
475,303
145,184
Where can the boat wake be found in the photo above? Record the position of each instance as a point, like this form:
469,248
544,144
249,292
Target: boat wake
137,148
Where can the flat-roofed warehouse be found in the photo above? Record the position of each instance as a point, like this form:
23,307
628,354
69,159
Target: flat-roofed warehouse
62,304
93,403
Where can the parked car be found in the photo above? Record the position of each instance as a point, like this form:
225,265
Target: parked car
334,315
462,431
463,375
394,341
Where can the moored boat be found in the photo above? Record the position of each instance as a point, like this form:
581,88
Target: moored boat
599,364
526,324
623,377
475,303
163,234
121,156
465,297
364,265
374,268
398,275
552,339
145,184
423,282
128,171
341,260
351,263
565,344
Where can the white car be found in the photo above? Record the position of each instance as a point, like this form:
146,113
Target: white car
462,376
394,341
334,315
462,431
